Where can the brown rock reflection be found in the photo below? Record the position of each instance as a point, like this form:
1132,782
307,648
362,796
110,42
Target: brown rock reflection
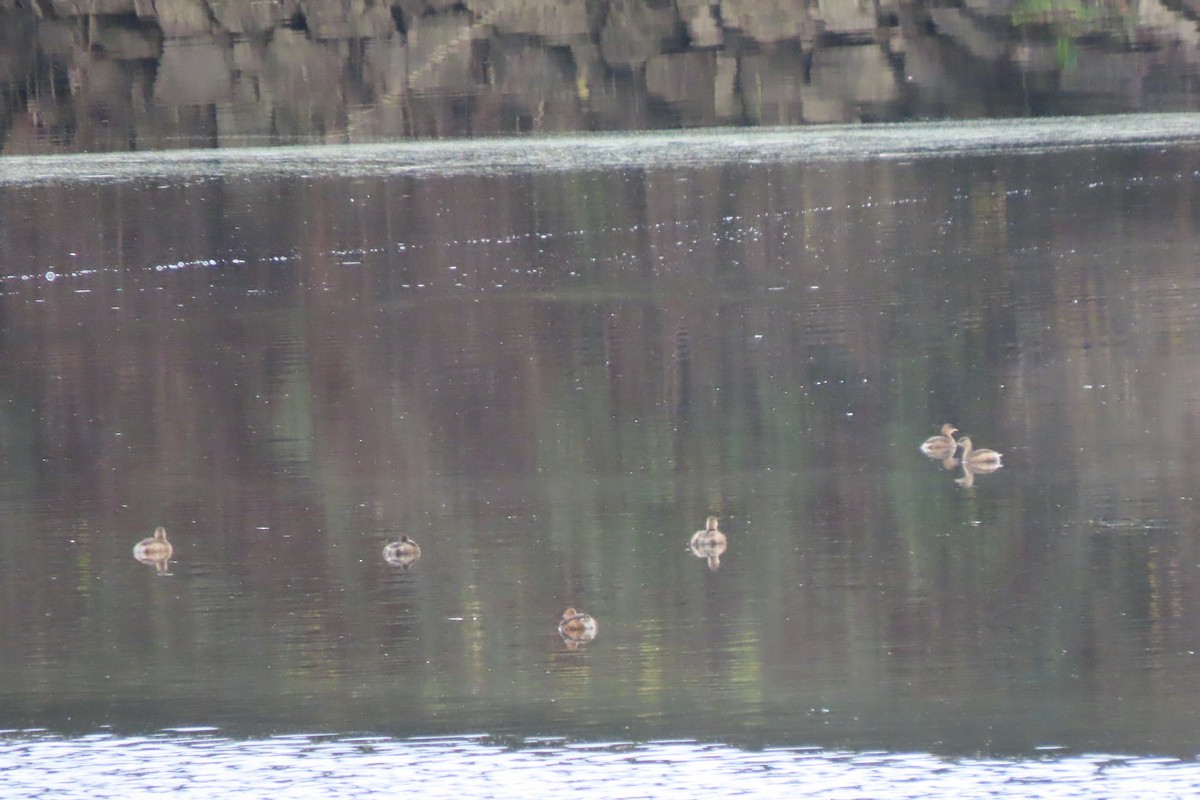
241,72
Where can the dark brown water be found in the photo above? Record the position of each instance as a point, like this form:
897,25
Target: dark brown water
548,378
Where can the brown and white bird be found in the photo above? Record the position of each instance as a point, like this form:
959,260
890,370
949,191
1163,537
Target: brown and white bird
941,446
709,543
577,627
979,460
403,553
155,550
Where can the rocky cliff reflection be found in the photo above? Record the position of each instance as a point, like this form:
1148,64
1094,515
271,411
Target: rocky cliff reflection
127,75
548,379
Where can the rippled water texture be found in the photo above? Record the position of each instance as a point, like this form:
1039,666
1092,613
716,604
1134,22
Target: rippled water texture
101,766
547,370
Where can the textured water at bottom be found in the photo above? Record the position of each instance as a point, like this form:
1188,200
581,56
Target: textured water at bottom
206,764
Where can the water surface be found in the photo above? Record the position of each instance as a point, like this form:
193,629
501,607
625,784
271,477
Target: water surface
548,378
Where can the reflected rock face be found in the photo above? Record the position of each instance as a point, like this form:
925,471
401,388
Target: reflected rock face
155,550
577,628
403,553
709,543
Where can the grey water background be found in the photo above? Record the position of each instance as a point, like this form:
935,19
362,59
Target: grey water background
548,375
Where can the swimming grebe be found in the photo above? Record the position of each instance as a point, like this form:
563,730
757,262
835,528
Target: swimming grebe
978,459
709,543
403,553
577,627
155,550
941,446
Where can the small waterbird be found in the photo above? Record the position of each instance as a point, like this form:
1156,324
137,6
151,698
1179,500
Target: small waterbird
577,627
709,543
979,460
941,446
155,550
402,553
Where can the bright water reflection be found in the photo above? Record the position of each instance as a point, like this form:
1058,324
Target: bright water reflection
549,379
581,154
210,765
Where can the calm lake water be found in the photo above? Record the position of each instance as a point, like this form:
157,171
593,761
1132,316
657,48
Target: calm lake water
547,362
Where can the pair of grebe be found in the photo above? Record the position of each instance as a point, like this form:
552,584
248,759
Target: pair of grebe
157,550
945,446
577,628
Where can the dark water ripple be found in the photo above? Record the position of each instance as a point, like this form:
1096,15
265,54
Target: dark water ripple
206,764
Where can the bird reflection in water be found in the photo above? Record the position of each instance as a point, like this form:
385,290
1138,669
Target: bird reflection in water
943,447
155,551
403,553
709,543
577,628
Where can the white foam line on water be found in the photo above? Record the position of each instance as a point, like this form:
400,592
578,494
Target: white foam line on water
612,151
